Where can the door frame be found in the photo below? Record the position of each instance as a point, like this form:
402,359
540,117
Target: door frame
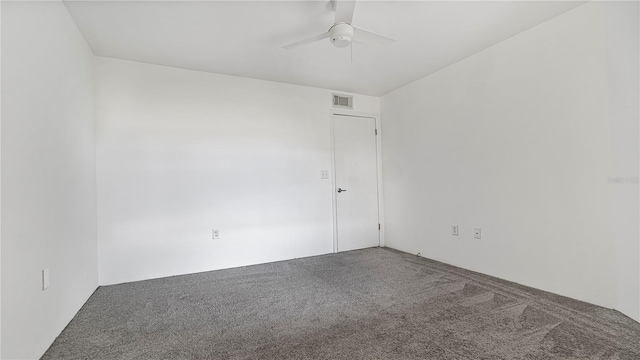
334,197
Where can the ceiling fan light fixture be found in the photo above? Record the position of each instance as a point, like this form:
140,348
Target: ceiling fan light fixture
341,35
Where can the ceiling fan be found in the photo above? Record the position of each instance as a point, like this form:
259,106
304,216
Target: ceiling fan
342,33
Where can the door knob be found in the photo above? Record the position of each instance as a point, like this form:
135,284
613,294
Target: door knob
341,190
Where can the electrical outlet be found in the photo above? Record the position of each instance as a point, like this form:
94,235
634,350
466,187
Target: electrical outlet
454,230
45,279
215,234
324,174
477,233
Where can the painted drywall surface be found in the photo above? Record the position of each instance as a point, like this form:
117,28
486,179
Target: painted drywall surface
48,175
182,152
0,180
535,141
622,44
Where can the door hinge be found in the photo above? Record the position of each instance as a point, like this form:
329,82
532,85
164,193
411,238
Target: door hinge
376,131
378,226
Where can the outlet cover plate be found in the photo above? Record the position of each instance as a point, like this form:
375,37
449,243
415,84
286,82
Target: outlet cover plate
477,233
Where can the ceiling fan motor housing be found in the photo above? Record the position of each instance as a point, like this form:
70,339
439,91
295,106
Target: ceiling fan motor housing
341,35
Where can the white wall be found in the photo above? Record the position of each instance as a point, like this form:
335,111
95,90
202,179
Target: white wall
181,152
621,24
48,175
528,140
0,181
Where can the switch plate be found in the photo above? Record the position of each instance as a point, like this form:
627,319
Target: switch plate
324,174
454,230
45,279
477,233
215,234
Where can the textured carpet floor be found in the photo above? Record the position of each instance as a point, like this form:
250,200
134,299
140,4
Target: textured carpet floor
367,304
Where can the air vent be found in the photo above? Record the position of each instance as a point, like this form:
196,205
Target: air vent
343,101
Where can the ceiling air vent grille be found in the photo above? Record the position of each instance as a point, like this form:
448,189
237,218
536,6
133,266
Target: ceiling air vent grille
342,101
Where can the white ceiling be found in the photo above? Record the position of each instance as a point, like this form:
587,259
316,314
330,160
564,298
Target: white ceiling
245,38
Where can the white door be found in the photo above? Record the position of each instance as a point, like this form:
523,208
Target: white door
356,182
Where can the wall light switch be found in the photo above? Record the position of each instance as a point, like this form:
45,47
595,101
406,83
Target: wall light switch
477,233
454,230
324,174
45,279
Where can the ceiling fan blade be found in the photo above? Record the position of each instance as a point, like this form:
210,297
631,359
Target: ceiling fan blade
368,37
307,41
344,11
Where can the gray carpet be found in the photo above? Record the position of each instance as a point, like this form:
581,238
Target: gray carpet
367,304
